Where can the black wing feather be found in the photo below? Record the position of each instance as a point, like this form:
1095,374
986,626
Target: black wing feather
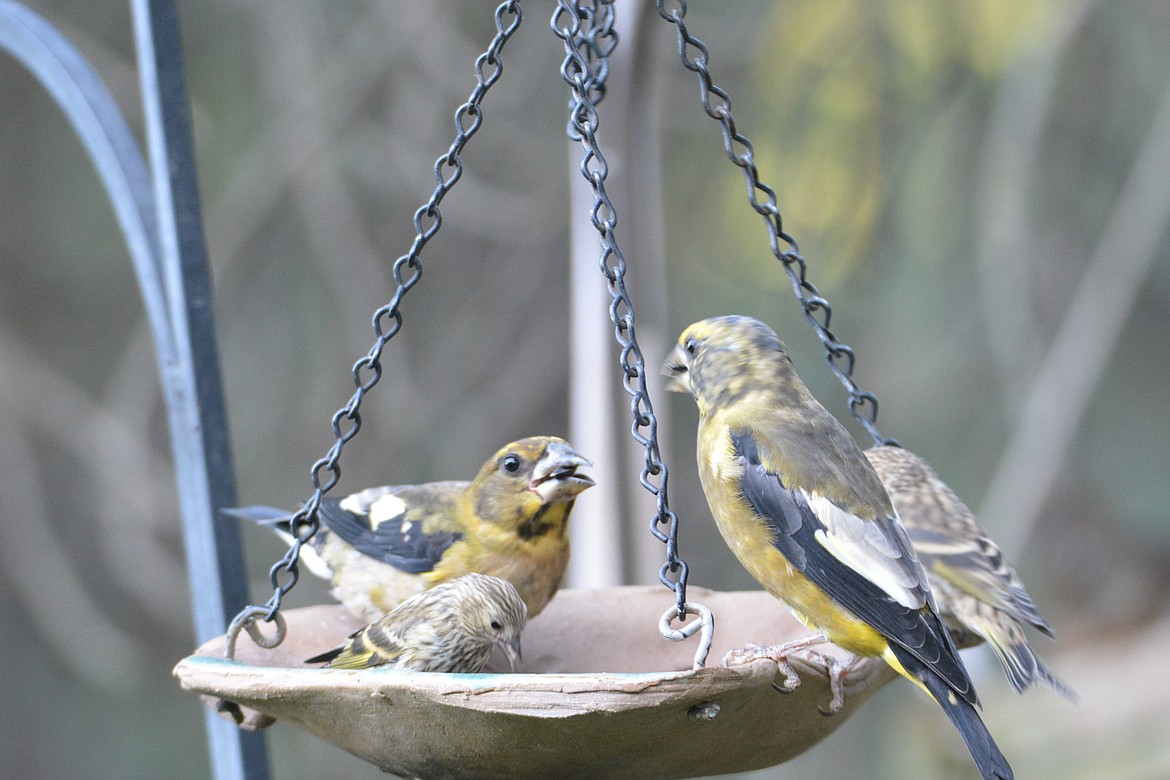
795,524
412,551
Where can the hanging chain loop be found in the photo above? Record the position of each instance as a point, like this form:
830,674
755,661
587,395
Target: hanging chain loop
703,624
247,620
863,404
387,321
587,30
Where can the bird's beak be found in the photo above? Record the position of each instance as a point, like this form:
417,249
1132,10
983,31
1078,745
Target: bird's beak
675,367
511,649
555,477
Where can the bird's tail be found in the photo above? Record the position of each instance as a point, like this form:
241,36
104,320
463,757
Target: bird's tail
259,514
327,656
991,762
280,521
1024,668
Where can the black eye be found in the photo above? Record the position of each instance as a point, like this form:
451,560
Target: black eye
497,625
691,346
511,463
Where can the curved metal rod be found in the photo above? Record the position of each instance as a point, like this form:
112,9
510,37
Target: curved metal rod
160,220
98,122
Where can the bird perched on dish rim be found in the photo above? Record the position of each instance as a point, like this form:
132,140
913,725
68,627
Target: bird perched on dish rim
802,509
385,544
453,627
977,589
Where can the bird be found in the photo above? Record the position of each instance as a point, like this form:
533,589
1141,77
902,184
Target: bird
805,513
382,545
978,592
453,627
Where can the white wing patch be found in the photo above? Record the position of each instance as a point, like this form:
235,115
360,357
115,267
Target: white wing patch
868,549
386,508
375,503
315,563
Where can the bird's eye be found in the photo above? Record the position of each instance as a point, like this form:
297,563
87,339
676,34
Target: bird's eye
691,346
497,625
511,463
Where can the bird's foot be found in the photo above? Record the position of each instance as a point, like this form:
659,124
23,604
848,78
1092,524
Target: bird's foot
836,669
778,654
754,652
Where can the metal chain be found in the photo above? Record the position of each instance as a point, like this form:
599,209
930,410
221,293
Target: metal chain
863,404
589,38
387,321
596,39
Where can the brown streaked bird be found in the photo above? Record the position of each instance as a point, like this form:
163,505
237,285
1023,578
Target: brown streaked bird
453,627
805,513
385,544
977,590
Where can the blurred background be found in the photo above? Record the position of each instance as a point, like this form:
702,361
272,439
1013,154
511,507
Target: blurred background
980,190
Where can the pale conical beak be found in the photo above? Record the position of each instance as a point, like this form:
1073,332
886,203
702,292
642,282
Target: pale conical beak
555,477
511,650
675,367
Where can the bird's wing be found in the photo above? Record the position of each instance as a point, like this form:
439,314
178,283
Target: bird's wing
407,527
864,571
363,650
976,566
877,549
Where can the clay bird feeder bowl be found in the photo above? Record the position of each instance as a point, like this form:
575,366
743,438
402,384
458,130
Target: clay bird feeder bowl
601,695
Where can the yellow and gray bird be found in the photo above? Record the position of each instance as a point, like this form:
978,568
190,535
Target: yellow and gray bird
383,545
978,592
453,627
802,509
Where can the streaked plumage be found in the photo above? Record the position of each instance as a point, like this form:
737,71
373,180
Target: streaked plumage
453,627
385,544
977,590
804,512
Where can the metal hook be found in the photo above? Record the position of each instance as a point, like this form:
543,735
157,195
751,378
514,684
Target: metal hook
247,620
705,623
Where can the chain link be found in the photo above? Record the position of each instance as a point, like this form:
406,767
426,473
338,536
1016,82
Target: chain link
595,39
586,28
863,404
387,321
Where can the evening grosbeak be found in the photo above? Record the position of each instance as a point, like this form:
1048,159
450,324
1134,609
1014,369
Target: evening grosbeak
977,590
804,512
453,627
385,544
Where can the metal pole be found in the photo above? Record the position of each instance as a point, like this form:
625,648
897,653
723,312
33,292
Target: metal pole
198,421
159,214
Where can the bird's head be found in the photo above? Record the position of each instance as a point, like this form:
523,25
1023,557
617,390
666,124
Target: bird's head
541,468
493,614
723,359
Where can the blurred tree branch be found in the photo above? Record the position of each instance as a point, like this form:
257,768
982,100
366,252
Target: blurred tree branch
1008,177
1079,353
36,564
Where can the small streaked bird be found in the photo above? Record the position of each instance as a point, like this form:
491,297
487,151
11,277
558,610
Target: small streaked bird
383,545
977,590
453,627
802,509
